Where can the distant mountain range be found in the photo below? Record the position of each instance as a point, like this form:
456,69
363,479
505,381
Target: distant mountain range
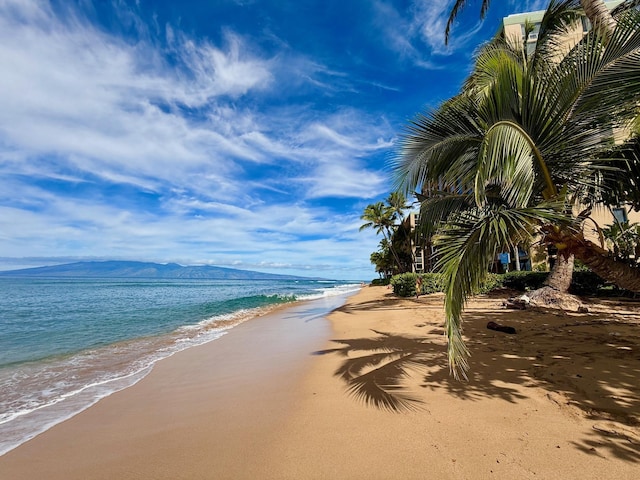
114,269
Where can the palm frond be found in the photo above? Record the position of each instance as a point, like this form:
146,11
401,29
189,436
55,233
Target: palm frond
456,9
439,207
620,183
606,75
506,158
468,246
441,134
559,19
624,6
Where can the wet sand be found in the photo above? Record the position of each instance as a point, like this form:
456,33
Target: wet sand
559,399
196,415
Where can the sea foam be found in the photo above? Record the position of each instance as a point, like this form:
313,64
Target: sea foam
40,393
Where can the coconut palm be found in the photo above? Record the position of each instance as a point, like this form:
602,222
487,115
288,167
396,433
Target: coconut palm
527,141
380,217
383,259
387,218
397,203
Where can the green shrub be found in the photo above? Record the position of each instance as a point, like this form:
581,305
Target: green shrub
380,282
585,282
404,285
524,281
493,281
431,283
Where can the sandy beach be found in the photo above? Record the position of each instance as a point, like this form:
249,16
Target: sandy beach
366,394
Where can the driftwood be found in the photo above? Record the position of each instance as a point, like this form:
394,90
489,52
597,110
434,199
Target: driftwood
500,328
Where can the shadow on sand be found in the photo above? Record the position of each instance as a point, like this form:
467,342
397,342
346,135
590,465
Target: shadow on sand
589,364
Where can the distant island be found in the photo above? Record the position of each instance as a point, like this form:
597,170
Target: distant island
116,269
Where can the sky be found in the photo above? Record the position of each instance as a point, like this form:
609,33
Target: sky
245,134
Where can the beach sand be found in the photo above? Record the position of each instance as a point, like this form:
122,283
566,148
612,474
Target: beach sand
560,399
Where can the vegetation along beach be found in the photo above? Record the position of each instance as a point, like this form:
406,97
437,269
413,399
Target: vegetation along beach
320,240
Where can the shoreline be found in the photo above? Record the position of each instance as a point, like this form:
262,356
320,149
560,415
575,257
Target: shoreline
81,379
557,400
275,339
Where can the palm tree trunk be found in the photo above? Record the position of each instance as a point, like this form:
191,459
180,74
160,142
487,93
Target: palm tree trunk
599,260
609,268
388,236
599,15
561,274
555,291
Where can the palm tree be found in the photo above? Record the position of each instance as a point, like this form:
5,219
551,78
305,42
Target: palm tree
397,203
383,259
527,141
595,10
381,218
388,219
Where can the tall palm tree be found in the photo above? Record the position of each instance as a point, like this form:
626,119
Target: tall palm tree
527,141
595,10
380,217
388,218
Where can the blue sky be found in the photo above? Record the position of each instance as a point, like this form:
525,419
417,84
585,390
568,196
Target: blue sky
240,133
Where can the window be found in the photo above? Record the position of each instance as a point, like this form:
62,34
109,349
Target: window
620,214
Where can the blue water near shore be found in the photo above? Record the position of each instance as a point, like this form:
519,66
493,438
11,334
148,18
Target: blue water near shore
66,343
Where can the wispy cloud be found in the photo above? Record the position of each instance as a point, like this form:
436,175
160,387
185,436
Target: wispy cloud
150,147
417,34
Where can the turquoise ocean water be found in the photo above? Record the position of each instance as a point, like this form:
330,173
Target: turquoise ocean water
66,343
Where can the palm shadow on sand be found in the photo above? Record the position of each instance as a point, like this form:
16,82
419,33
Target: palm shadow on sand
376,374
377,369
578,360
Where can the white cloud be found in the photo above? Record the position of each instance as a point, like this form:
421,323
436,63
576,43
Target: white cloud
417,34
430,20
223,235
81,92
215,72
334,180
114,106
80,107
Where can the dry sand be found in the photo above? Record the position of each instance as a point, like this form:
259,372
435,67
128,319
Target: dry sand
558,400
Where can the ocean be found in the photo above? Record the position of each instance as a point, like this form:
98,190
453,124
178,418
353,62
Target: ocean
67,343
